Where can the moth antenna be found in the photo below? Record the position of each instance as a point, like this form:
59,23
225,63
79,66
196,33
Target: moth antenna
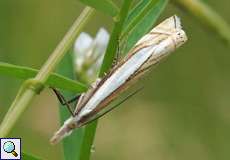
123,100
119,103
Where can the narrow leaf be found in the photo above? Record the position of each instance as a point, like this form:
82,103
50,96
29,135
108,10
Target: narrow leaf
26,156
70,143
54,80
106,6
113,42
77,146
87,133
136,15
145,23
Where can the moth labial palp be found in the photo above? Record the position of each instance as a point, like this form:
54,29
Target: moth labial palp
148,51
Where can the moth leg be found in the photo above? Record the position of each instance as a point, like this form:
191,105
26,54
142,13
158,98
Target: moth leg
62,99
118,56
120,48
122,101
124,43
115,60
65,102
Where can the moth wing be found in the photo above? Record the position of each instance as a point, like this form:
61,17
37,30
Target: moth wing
102,107
110,108
157,34
168,25
86,96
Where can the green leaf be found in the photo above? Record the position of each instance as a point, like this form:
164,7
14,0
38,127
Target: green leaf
90,129
138,12
26,156
81,140
54,80
85,140
70,143
85,135
113,42
106,6
77,146
141,19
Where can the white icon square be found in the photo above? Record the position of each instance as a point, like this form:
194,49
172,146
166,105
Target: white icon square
10,148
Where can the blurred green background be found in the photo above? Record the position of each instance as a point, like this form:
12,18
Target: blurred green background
182,113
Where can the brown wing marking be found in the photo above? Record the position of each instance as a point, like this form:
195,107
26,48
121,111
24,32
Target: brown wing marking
113,96
85,97
156,36
90,119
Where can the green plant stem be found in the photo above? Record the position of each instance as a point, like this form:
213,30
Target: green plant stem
106,6
90,129
32,87
114,40
207,16
64,45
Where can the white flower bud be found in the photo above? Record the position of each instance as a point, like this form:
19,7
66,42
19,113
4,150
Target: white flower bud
89,54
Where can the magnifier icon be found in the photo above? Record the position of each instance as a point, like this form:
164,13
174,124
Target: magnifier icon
9,147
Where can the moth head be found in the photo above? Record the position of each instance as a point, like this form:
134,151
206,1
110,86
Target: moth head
179,38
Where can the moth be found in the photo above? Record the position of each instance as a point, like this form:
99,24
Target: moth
147,52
